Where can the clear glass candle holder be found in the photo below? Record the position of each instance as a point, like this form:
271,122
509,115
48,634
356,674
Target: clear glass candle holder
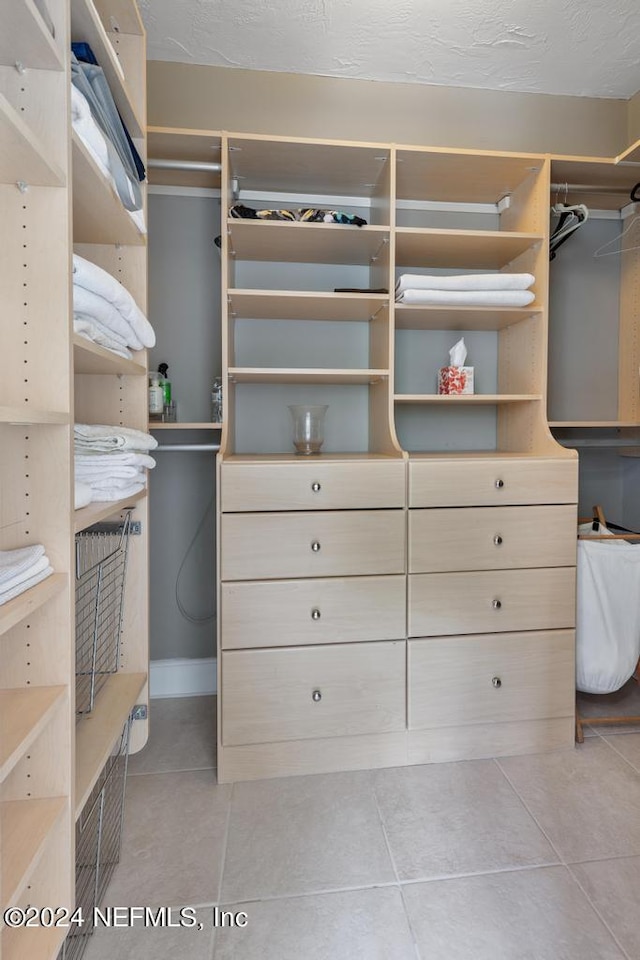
308,427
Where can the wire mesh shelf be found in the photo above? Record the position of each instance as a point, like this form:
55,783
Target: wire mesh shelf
101,564
98,840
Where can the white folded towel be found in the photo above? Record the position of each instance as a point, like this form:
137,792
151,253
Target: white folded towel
469,281
471,298
104,438
14,562
101,459
6,595
95,333
107,494
82,495
41,564
88,275
91,304
87,475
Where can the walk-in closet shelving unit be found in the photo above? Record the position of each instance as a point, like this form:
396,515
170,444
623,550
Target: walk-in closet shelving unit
36,628
47,765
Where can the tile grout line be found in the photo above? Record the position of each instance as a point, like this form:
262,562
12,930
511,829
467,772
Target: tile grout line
597,912
226,843
621,755
526,807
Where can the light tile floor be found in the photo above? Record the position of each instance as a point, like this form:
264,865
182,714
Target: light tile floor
525,858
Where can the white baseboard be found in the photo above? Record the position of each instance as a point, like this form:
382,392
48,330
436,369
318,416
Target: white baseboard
182,678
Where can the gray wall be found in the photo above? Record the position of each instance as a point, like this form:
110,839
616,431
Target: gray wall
184,308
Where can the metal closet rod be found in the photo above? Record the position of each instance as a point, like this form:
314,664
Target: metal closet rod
588,188
188,447
196,165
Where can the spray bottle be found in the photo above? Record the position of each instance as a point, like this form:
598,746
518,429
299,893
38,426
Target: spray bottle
165,383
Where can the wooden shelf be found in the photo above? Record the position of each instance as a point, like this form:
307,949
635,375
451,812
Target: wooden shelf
89,357
23,157
96,512
461,176
463,399
278,241
426,317
98,214
185,426
631,154
309,375
124,13
22,415
86,26
36,943
613,424
97,733
26,39
24,713
25,826
464,249
18,609
291,305
345,457
594,172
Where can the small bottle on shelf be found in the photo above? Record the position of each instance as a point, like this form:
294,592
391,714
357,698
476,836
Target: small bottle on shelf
216,401
156,397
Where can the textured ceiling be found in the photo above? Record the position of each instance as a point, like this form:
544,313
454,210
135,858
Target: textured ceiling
578,47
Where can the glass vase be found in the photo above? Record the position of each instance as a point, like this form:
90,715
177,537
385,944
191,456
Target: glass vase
308,427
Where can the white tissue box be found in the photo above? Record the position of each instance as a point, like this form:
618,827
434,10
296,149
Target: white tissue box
455,380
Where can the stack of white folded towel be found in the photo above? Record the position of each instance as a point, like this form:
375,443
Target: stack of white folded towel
104,311
93,139
110,462
21,569
473,290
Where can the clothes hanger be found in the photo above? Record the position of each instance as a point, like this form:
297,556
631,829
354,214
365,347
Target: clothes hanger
572,216
612,253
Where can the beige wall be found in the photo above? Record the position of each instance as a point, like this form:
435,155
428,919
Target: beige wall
633,132
222,98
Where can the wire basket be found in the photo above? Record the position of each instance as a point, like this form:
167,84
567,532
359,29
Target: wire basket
101,564
98,840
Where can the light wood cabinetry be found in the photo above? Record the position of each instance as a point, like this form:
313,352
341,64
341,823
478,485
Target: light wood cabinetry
458,510
52,196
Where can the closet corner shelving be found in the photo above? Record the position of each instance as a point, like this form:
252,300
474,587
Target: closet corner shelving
41,400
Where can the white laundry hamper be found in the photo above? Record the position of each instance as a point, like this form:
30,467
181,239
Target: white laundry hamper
608,613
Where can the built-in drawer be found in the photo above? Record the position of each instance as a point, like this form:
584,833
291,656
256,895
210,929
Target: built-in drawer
279,613
458,482
491,601
316,484
491,538
306,692
263,546
490,679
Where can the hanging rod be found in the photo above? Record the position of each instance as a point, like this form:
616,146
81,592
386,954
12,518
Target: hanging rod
189,447
193,165
588,188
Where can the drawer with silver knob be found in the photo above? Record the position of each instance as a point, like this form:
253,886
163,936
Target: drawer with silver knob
263,546
491,538
316,484
445,604
312,692
278,613
446,481
490,679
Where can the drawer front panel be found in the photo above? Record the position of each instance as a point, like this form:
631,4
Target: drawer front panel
265,546
484,679
312,485
452,483
491,538
310,692
445,604
279,613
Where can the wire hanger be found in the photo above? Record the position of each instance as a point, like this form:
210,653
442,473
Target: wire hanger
613,253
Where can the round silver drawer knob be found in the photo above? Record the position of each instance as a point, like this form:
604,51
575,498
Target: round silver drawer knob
315,614
316,487
316,696
496,681
499,484
315,546
496,604
497,540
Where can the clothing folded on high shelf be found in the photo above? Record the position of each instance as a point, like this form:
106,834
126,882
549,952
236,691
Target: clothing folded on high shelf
104,311
481,289
111,461
305,215
95,119
21,569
